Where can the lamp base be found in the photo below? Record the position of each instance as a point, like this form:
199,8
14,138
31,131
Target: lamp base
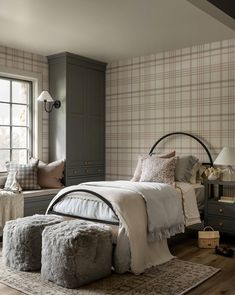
228,174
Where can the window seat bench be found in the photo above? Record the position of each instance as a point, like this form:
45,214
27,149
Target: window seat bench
37,201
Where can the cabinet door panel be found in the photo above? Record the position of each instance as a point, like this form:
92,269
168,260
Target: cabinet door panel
76,144
94,139
76,88
94,104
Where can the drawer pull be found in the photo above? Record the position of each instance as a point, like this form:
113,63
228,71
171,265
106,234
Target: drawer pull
221,224
221,210
75,171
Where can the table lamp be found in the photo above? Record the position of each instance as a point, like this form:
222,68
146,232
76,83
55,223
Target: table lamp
227,158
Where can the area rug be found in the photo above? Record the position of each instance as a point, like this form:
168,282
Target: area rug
175,277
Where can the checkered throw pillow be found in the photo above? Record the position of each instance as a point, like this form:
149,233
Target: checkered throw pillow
26,175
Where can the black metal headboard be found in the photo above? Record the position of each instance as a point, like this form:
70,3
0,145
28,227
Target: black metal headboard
187,134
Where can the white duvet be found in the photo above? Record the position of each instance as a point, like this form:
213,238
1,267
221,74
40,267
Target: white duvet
148,212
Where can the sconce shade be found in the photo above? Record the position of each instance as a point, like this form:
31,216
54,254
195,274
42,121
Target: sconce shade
45,96
226,157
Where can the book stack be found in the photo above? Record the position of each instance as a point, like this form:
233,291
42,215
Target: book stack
227,199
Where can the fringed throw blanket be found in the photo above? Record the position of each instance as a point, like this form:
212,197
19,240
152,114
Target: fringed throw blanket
11,207
149,213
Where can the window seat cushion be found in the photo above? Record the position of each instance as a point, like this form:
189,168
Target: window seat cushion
40,192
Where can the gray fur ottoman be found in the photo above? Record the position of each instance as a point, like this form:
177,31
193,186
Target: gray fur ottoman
75,253
22,241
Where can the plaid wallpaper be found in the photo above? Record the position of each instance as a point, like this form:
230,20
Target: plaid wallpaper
29,62
189,89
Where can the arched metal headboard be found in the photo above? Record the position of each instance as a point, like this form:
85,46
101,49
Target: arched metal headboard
183,133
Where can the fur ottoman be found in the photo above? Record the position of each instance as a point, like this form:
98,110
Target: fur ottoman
75,253
22,241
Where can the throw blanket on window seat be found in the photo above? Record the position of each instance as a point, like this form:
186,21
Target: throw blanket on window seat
11,207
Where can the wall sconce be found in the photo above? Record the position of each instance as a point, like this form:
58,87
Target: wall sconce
46,98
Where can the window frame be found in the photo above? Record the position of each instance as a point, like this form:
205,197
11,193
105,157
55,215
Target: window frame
30,126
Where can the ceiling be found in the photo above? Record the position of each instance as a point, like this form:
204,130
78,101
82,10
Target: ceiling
106,30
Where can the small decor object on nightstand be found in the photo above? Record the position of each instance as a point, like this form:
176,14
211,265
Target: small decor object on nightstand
213,173
208,239
227,158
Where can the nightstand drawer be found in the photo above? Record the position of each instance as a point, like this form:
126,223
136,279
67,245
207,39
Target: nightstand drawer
223,209
221,224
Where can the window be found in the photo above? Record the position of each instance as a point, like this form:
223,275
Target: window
15,120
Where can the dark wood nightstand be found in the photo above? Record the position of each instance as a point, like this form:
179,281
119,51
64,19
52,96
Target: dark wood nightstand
219,213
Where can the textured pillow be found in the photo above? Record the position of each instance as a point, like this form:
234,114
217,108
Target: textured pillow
157,169
11,183
141,158
50,175
184,166
194,172
26,174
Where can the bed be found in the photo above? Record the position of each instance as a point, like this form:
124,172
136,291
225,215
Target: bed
141,214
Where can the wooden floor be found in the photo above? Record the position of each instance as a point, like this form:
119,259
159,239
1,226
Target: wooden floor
185,247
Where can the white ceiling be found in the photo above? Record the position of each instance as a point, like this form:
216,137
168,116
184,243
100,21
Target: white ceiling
106,30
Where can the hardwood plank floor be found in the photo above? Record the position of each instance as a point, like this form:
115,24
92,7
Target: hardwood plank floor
222,282
185,248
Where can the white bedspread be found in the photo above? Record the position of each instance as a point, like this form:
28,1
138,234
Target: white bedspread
11,206
130,201
164,208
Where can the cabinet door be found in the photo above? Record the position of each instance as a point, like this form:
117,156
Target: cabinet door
94,116
75,144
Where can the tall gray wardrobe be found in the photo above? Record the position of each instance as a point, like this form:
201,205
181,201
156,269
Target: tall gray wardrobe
77,128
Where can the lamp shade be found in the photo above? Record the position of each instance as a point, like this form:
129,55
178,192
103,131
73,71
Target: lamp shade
45,96
226,157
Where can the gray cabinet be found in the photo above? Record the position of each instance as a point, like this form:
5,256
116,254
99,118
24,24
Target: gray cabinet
37,204
77,129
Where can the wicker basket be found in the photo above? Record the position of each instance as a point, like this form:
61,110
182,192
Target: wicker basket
208,239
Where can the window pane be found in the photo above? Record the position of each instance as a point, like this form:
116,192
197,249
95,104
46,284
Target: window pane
4,137
20,92
19,156
4,90
4,156
19,137
19,115
4,114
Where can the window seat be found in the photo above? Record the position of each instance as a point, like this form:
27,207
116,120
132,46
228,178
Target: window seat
37,201
40,192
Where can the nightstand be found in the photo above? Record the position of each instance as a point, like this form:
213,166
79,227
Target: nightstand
219,209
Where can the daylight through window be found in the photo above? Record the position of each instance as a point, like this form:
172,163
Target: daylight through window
15,120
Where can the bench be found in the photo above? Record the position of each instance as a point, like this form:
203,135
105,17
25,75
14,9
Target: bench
37,201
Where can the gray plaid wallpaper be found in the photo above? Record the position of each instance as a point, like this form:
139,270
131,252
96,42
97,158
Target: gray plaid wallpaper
15,59
190,89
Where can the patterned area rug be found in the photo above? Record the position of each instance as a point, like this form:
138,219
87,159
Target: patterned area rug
175,277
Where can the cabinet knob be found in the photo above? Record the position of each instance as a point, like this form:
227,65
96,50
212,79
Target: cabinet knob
221,210
221,224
